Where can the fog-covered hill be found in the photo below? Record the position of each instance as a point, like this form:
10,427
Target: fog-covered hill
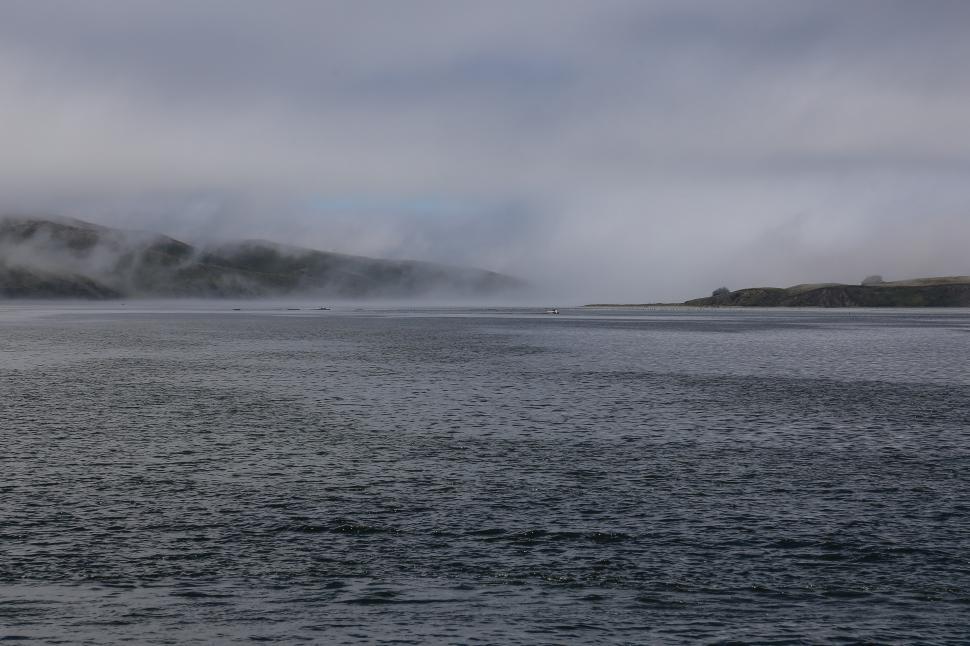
46,257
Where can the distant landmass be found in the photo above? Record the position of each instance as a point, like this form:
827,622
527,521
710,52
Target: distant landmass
945,291
948,291
49,257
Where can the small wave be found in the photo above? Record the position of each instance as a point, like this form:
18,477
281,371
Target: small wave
539,535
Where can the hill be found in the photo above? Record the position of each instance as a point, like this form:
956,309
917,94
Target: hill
947,291
48,257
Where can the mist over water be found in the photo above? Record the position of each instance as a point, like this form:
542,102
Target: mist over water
365,412
427,475
605,151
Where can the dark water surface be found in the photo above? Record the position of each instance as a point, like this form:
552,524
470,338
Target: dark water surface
484,476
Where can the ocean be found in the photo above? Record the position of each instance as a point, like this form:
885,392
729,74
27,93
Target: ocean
186,473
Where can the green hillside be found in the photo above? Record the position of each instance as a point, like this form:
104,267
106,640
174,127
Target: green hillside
66,258
947,291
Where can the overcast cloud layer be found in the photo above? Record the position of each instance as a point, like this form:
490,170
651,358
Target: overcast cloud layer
607,150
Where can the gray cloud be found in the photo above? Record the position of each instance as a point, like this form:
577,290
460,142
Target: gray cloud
608,149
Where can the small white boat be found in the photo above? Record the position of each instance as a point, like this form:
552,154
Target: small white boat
553,311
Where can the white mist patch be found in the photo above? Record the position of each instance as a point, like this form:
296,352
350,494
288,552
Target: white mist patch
46,257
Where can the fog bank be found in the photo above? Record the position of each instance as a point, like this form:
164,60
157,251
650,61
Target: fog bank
605,151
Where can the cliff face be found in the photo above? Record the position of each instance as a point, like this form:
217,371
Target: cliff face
927,292
62,258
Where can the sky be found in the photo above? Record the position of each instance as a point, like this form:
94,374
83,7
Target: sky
604,150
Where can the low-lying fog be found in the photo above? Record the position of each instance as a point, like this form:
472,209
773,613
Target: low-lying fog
603,151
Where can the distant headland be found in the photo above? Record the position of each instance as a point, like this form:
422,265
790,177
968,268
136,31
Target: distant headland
53,257
945,291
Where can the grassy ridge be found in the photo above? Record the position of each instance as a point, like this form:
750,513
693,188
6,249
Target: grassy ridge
947,291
